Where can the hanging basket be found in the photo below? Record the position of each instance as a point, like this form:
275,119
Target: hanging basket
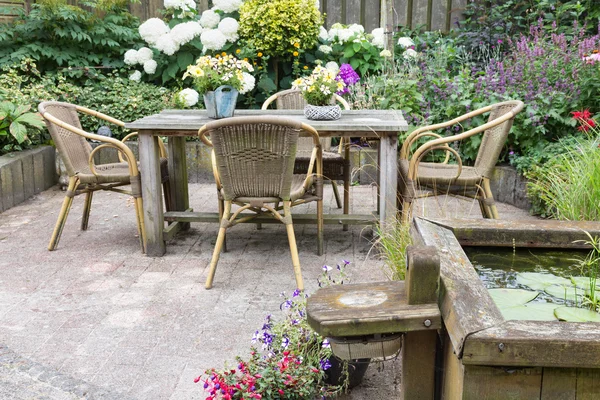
221,102
322,113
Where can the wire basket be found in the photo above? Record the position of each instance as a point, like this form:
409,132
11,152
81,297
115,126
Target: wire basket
322,113
377,346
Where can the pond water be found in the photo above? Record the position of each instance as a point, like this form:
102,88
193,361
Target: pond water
533,283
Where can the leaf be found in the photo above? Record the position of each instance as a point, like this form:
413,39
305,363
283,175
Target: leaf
533,311
18,131
584,283
356,47
172,70
349,52
31,119
539,281
574,314
184,59
505,298
564,292
266,84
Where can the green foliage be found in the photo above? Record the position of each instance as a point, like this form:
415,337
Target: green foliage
15,123
392,248
280,27
57,36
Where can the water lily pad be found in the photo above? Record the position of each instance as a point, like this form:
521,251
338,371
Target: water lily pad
533,311
570,293
539,281
505,298
584,282
574,314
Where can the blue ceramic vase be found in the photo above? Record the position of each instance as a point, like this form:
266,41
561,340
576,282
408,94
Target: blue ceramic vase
221,102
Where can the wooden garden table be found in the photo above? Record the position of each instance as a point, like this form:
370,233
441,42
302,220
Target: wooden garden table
177,124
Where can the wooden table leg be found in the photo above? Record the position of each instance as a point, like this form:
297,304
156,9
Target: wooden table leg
151,193
178,176
388,179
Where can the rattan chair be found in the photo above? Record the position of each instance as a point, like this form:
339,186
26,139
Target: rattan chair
456,179
253,163
336,165
85,176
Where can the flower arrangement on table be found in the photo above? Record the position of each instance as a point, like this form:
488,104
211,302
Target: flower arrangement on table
318,89
211,76
291,363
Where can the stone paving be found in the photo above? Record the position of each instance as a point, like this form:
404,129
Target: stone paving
98,319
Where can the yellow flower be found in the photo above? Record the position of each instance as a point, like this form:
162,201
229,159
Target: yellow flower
295,54
259,54
297,45
306,67
246,59
223,54
238,51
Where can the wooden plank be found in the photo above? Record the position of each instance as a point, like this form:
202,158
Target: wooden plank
438,15
535,343
178,178
353,8
152,194
6,190
465,303
388,181
493,383
535,233
559,384
419,348
456,12
453,373
588,384
333,12
371,16
419,14
368,308
400,7
28,176
50,175
329,219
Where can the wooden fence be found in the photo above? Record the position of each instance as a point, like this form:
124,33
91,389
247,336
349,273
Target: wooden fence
429,14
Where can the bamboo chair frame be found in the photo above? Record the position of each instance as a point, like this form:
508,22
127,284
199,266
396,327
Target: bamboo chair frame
260,207
481,190
329,164
76,187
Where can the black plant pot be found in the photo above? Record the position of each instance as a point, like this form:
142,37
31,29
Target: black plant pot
356,371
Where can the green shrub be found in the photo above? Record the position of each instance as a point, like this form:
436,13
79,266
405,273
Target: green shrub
18,127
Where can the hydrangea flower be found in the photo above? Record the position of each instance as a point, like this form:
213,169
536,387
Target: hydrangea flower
357,28
323,35
410,54
210,19
344,35
347,75
213,39
325,49
385,53
186,32
150,67
333,66
144,54
229,27
152,30
189,97
405,42
183,5
167,44
227,6
248,82
131,57
135,76
378,38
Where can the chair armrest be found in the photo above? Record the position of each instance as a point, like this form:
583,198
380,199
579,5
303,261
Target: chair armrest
413,166
162,150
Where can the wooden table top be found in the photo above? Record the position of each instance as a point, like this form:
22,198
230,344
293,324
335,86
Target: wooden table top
369,123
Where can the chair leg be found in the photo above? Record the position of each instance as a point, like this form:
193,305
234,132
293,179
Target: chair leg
406,211
218,246
87,206
221,211
347,178
493,211
167,195
139,214
64,212
289,226
336,194
320,227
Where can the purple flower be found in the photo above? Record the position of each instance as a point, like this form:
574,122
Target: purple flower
326,343
348,75
325,364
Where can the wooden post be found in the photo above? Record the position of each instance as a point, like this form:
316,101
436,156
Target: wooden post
418,350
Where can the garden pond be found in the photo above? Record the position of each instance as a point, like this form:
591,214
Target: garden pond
537,284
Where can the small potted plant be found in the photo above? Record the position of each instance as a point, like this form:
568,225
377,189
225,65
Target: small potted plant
318,89
220,79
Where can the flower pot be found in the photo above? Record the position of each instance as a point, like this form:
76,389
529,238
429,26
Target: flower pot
322,113
334,375
221,102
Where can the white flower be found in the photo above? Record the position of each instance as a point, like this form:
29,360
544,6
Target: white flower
144,54
213,39
189,97
356,28
332,34
345,34
247,83
150,67
131,57
152,30
325,49
323,35
210,19
227,6
378,37
136,76
229,27
183,5
167,44
385,53
185,32
333,66
410,54
318,4
406,42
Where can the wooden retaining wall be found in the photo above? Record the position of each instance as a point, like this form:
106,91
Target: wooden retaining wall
428,14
